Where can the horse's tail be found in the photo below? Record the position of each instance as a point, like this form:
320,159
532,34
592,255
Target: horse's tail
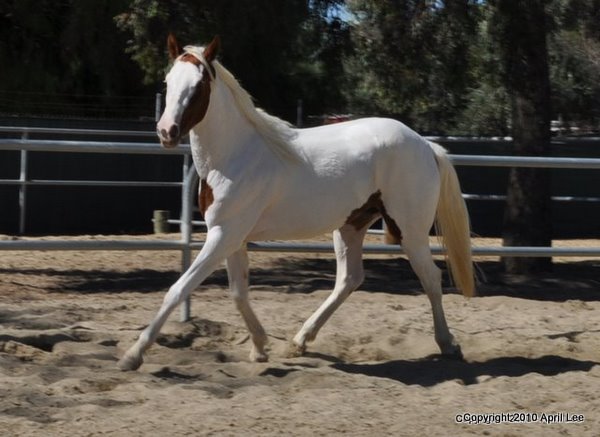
452,222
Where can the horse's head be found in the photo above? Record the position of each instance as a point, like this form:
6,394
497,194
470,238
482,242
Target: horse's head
188,90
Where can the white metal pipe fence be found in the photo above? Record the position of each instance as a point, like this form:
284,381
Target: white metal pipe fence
189,179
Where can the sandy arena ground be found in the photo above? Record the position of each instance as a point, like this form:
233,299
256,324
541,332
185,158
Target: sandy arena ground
531,346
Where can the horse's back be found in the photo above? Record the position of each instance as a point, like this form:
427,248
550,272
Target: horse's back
380,140
359,133
379,146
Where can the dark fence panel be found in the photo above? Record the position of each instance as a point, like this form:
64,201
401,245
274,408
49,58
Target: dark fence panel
64,210
570,219
75,210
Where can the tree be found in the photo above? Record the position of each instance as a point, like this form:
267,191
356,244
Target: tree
319,70
411,60
275,48
574,49
520,30
52,53
487,106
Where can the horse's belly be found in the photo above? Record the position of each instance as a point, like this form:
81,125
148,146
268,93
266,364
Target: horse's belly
303,218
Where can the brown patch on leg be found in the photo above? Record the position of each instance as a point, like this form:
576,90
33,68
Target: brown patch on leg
373,208
205,198
392,233
361,217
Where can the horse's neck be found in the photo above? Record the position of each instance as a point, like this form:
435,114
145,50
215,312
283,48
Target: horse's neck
224,134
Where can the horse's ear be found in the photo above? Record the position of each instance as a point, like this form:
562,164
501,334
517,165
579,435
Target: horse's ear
174,47
212,50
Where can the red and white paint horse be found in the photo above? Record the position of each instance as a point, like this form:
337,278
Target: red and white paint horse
262,180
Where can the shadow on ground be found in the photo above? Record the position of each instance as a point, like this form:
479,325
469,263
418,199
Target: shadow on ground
576,280
434,370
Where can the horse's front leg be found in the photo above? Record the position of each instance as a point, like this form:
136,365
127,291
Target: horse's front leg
237,271
218,245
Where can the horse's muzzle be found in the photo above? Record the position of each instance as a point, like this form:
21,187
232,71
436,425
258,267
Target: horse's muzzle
169,138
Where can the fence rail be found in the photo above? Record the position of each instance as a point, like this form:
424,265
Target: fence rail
525,161
284,247
185,244
26,131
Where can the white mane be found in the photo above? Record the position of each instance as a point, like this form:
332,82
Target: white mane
277,133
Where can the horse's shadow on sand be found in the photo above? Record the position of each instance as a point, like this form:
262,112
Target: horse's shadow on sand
575,280
433,370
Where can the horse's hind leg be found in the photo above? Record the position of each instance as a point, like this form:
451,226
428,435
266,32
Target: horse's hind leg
350,274
237,271
419,254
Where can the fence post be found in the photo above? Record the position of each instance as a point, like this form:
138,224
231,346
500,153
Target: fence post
157,106
299,113
23,187
187,205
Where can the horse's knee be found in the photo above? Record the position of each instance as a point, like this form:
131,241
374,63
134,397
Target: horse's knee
240,300
174,296
358,278
429,275
351,282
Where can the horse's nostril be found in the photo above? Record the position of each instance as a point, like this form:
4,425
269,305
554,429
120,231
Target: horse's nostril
174,131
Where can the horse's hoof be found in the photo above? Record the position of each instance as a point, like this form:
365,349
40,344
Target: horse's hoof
258,357
130,362
295,350
454,353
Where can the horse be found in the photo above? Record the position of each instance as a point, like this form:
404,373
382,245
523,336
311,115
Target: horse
262,179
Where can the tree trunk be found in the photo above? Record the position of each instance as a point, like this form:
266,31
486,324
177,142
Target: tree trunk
521,36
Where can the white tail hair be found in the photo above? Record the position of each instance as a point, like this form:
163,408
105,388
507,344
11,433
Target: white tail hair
452,220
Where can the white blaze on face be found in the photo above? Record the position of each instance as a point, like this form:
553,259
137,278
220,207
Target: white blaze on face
181,85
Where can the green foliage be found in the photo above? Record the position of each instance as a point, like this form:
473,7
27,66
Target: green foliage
575,62
435,64
282,51
486,114
52,52
487,108
411,59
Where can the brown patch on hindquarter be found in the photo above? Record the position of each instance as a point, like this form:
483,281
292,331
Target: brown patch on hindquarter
205,198
372,209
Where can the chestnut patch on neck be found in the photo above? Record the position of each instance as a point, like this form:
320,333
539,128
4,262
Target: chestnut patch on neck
372,209
197,106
